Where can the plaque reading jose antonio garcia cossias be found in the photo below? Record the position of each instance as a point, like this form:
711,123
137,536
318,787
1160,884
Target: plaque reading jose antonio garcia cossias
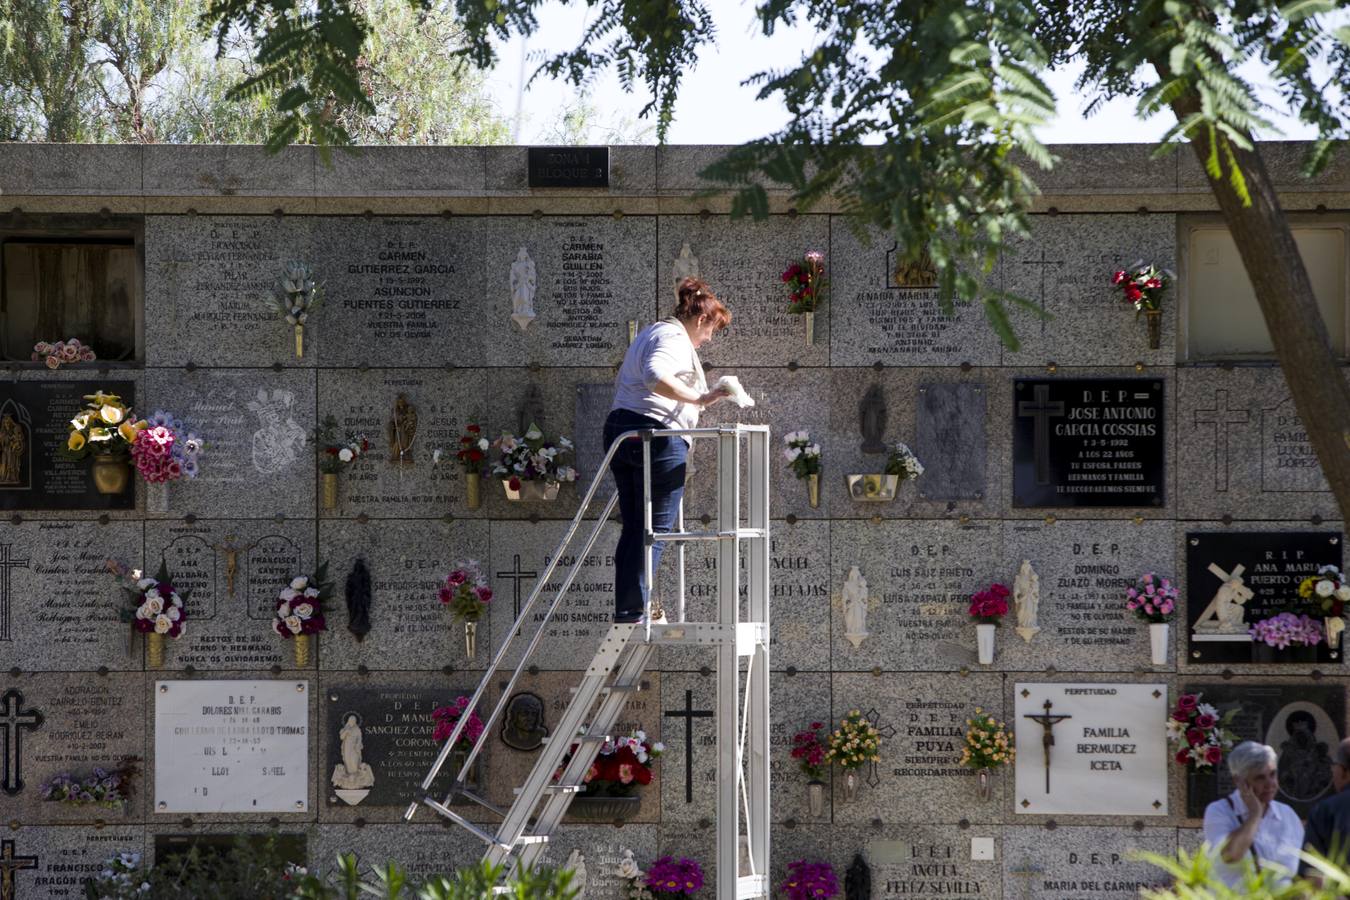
1088,442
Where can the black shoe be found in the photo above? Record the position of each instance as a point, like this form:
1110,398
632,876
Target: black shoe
634,619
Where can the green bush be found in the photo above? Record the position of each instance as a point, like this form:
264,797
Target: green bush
1194,878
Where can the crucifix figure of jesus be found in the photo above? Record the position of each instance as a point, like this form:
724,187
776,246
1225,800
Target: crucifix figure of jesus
1047,721
10,864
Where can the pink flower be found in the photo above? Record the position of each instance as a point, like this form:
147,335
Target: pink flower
626,773
1205,721
457,577
1213,755
484,594
446,596
1195,737
53,362
1187,702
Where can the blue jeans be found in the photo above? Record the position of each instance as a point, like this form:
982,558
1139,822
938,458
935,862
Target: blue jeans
668,460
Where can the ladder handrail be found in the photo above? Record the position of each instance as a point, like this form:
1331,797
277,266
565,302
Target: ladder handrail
602,470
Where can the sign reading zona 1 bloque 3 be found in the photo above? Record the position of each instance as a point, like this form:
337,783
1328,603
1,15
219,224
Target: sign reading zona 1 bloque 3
1088,442
231,746
1091,749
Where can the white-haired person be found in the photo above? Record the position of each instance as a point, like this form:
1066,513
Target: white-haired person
1249,826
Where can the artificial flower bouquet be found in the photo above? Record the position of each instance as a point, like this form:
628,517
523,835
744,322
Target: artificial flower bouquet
1328,592
809,750
532,458
105,426
1142,286
473,448
855,743
669,875
989,606
63,352
989,744
105,788
337,451
802,455
1287,629
465,592
902,461
160,609
446,717
1153,599
166,449
1199,733
634,879
299,614
296,295
622,766
806,284
810,881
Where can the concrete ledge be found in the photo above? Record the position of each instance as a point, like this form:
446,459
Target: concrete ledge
70,169
216,170
401,172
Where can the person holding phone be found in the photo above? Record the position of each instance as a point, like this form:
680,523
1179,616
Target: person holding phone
1250,827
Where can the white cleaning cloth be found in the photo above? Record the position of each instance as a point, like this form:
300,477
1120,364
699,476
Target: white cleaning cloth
735,392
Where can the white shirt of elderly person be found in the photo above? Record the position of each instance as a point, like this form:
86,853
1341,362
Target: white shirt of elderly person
1250,827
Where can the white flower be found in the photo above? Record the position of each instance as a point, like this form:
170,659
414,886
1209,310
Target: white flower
299,583
813,450
436,457
152,594
792,453
163,624
567,473
288,594
174,613
293,623
345,454
1343,593
641,755
145,583
153,606
1324,588
311,592
283,611
658,747
175,599
628,867
1205,709
564,443
303,610
483,444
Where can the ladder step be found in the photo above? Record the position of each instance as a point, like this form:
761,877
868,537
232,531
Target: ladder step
463,822
752,886
557,789
531,839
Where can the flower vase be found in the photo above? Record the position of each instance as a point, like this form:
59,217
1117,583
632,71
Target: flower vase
472,494
984,783
301,651
470,639
984,641
1153,319
1157,636
611,810
299,341
154,648
531,490
156,496
330,490
810,319
850,785
815,797
813,489
111,476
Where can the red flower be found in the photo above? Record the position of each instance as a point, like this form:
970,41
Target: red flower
1205,721
1213,755
1132,293
1184,757
514,483
1195,737
1153,284
332,451
1118,277
473,429
1188,702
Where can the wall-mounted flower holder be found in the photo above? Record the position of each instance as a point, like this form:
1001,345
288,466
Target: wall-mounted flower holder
873,488
546,491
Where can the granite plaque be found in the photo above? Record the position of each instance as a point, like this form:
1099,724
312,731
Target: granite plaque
231,746
53,862
923,861
1303,722
1083,863
568,167
1091,749
1267,564
593,405
949,439
1088,442
34,422
393,731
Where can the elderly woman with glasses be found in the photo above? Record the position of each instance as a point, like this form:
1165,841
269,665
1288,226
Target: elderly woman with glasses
1250,826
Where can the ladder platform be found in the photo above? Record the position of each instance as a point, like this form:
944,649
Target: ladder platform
733,534
556,789
747,636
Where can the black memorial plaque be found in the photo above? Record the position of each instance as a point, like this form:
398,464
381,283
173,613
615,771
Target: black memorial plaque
41,411
564,167
396,728
1088,442
1273,563
1303,722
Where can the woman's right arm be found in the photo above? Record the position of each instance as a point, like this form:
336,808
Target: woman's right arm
672,388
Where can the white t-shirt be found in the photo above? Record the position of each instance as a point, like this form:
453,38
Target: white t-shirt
661,349
1279,837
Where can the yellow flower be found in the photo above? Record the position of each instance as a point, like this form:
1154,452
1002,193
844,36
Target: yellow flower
112,414
128,431
80,422
100,434
75,441
1306,588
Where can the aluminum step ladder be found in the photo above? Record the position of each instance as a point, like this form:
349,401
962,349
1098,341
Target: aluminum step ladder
623,656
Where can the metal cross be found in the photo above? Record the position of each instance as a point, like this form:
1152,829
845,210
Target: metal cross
885,731
516,577
13,720
7,563
9,864
1048,722
1220,416
1043,263
689,714
1044,411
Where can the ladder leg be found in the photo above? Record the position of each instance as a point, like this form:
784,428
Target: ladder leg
757,691
728,669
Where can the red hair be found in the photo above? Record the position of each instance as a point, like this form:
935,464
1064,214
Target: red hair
697,299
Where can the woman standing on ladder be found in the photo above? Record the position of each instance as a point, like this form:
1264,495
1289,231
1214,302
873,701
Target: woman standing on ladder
659,386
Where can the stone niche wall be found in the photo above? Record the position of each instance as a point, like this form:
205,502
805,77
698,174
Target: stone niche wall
419,304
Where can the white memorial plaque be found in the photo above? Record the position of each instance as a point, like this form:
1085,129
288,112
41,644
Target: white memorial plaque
231,746
1106,746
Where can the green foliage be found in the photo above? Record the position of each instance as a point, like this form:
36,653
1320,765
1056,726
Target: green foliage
469,883
1193,877
248,870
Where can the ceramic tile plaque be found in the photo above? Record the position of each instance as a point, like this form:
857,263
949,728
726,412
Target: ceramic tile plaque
1091,749
231,746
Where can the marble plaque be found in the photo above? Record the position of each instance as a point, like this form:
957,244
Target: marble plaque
927,860
231,746
689,766
234,570
600,849
208,289
920,575
592,408
58,604
1084,569
1088,442
52,862
1083,863
949,440
890,314
408,561
422,850
1303,722
592,277
34,424
1091,749
1271,565
258,461
88,723
743,261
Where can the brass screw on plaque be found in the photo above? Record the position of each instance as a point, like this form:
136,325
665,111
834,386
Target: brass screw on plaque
1049,518
300,687
1025,693
163,688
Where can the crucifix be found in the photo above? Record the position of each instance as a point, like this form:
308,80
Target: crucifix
7,562
9,864
689,714
1043,263
13,720
516,576
231,553
1043,410
1220,417
1047,722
